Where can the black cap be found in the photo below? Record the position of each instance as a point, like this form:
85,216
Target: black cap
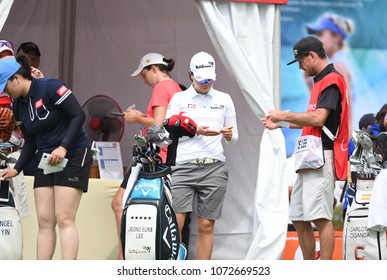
305,46
366,120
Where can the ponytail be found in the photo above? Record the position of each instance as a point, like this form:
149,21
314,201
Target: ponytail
163,68
167,68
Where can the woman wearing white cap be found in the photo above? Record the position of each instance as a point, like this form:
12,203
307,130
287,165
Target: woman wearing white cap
155,70
6,48
201,170
332,30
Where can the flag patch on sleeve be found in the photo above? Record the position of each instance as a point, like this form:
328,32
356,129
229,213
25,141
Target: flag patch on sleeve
62,90
39,103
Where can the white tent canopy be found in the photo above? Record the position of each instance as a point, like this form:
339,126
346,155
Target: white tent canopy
94,45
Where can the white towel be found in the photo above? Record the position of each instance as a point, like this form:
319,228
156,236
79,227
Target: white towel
377,217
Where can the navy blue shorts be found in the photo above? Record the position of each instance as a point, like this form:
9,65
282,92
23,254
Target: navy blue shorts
75,174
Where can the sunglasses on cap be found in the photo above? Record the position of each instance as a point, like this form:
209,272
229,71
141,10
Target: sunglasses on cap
206,81
7,44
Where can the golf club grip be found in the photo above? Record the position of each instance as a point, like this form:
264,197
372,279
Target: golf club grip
172,148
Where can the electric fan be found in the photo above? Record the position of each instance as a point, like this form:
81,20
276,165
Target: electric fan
100,123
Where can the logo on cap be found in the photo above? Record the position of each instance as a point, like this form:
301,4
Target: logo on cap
209,65
156,134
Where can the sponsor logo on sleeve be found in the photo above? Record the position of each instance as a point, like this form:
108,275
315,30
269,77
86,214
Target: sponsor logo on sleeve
62,90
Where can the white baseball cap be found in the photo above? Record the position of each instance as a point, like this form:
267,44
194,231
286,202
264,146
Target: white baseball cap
6,46
203,67
149,59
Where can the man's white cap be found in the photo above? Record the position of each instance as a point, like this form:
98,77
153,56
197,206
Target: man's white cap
149,59
203,66
5,47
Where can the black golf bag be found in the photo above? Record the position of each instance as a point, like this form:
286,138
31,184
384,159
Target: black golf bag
149,228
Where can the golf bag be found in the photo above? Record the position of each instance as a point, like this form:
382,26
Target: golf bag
360,242
149,229
11,239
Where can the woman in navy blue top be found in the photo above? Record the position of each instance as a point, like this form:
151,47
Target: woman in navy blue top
51,120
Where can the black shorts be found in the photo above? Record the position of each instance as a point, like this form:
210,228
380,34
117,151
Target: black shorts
75,174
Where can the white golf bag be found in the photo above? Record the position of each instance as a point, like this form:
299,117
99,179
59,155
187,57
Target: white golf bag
11,239
360,242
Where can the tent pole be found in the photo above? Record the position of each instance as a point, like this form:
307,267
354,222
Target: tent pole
277,58
67,41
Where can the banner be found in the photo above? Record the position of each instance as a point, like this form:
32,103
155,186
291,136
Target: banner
363,53
263,1
5,7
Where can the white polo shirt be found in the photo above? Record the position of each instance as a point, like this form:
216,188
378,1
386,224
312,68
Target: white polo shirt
214,109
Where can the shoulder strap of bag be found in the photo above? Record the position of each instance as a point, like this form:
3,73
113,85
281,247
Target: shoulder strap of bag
167,193
328,133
